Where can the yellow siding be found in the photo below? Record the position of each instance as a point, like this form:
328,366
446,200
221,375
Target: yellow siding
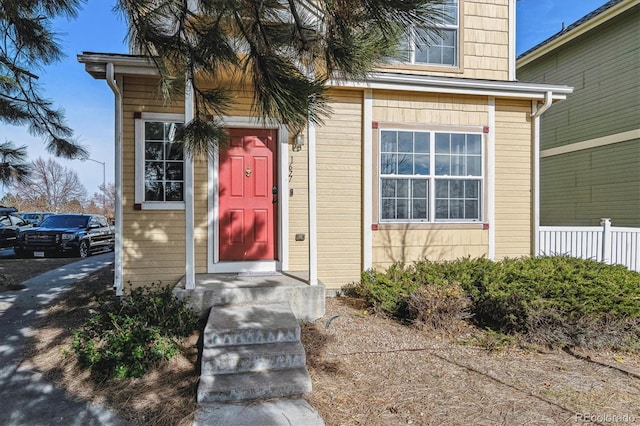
513,197
298,209
153,243
484,44
439,244
395,243
339,200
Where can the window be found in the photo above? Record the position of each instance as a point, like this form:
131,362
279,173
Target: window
430,176
437,45
159,162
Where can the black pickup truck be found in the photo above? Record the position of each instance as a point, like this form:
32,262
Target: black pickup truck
75,234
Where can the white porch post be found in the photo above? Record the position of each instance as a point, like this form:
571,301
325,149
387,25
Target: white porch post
313,217
491,177
190,281
367,181
606,240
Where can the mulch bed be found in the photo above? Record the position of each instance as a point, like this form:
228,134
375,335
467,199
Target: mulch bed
370,370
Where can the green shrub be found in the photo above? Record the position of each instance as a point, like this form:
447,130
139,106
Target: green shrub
128,337
554,300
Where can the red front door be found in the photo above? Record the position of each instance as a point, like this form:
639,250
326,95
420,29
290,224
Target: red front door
247,202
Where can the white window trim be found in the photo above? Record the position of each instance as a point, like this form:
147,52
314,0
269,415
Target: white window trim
413,47
432,177
139,161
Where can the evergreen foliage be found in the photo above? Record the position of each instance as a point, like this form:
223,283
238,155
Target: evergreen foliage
27,46
555,300
284,51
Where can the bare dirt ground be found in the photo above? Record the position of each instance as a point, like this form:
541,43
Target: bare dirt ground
369,370
15,271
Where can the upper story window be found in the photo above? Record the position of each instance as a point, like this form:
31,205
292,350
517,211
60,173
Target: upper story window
430,176
437,45
159,162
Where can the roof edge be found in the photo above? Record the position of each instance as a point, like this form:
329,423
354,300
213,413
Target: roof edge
574,31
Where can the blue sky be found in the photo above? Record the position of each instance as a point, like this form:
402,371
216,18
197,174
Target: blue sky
89,103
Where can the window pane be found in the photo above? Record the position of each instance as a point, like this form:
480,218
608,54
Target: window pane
434,55
174,191
402,209
154,171
421,142
420,188
457,165
405,142
457,143
405,164
388,143
442,189
421,164
389,164
388,187
175,151
474,144
442,165
442,209
164,162
442,143
456,189
402,188
174,171
153,131
154,191
471,210
388,209
419,209
448,56
154,151
449,38
472,189
456,209
474,166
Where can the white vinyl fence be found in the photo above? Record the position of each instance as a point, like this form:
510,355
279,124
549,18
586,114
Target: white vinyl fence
606,243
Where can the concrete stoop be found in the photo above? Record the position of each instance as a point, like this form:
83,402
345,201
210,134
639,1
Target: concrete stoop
283,412
252,353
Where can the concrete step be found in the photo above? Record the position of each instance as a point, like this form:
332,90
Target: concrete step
259,385
246,358
285,412
250,324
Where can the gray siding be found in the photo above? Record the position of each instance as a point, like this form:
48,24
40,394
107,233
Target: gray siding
603,66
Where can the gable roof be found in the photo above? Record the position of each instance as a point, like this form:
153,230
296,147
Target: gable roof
604,13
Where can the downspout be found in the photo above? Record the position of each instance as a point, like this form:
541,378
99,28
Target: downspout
536,112
118,270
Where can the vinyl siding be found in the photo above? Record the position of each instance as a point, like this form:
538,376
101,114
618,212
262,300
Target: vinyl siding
580,187
153,241
339,190
513,168
602,66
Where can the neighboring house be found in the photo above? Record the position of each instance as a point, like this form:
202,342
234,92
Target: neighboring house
590,144
432,157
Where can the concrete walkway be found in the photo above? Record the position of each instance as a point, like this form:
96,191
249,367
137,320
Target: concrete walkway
26,398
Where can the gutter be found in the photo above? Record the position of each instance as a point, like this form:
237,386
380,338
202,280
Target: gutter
113,84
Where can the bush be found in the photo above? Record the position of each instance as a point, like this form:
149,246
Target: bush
555,300
126,338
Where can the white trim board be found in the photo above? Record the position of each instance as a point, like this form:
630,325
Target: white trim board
592,143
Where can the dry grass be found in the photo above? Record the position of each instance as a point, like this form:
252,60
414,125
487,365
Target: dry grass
369,370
